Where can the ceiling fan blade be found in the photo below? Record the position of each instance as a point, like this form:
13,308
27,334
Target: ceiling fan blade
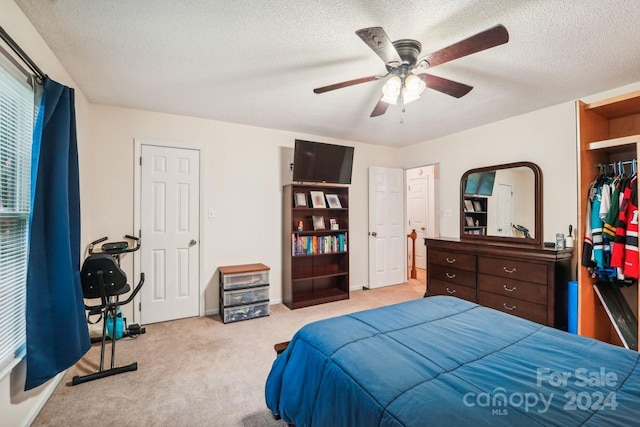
376,38
446,86
379,109
487,39
346,84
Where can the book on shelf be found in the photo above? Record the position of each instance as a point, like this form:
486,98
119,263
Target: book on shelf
477,206
476,231
312,245
468,206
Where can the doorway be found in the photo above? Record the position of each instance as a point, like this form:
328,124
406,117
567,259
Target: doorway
422,215
168,214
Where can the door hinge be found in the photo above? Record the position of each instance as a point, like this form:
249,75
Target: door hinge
140,160
140,306
140,233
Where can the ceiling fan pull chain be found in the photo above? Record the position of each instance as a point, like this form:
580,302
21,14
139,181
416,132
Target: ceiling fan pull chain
402,109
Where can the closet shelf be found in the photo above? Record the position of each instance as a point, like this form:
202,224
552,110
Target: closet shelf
618,106
615,142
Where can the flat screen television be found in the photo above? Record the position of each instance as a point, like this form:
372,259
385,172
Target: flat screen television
321,162
480,183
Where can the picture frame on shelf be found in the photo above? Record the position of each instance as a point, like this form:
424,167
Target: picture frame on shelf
333,201
318,222
317,199
468,206
300,200
477,206
333,224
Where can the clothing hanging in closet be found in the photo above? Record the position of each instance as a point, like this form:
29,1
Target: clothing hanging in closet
610,248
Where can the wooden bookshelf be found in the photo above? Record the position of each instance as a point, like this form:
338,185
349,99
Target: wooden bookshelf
475,215
315,260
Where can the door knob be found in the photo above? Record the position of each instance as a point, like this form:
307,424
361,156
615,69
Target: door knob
422,228
374,234
192,243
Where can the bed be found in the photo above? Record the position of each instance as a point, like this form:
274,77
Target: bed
445,361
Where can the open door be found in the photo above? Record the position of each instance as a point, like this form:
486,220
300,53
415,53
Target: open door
422,212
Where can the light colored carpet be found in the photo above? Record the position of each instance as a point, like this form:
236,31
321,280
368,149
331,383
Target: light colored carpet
196,371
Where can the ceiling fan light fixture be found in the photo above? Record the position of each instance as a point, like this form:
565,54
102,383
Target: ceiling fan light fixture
393,100
391,90
408,97
413,86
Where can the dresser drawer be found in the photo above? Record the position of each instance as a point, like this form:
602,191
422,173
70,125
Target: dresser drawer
512,288
525,309
451,275
451,259
437,287
518,270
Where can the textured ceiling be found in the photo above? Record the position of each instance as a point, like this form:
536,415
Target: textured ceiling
256,62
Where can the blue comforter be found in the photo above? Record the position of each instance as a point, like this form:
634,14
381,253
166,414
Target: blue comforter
445,361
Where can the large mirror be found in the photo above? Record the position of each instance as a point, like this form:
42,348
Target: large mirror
502,203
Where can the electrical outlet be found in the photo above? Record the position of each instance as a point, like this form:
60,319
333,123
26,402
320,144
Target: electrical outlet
447,213
211,213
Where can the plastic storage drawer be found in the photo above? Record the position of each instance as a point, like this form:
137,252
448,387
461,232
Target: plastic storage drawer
245,312
246,296
242,280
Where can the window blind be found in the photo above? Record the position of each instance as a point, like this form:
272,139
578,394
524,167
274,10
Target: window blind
16,128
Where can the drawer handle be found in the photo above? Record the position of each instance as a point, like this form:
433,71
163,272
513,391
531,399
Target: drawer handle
450,276
507,307
509,289
451,291
450,261
513,270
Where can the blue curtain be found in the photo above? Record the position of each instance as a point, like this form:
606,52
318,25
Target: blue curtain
57,333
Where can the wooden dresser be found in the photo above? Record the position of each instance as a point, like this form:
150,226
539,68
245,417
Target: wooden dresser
528,282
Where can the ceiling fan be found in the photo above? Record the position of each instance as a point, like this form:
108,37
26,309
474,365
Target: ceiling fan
408,77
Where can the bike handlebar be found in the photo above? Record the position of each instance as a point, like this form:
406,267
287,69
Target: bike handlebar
117,247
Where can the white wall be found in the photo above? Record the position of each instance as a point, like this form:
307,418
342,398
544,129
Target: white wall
243,171
546,137
16,406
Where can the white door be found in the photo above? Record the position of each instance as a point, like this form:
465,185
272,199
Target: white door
170,228
417,190
387,240
505,210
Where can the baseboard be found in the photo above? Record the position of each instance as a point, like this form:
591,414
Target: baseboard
359,287
44,397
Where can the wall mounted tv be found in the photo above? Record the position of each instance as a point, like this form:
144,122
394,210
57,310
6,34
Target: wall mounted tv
480,183
321,162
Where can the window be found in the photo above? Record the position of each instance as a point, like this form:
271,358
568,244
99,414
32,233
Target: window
16,128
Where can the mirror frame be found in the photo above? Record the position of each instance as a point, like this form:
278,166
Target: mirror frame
538,237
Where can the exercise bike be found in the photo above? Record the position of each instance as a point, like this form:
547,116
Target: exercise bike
101,277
